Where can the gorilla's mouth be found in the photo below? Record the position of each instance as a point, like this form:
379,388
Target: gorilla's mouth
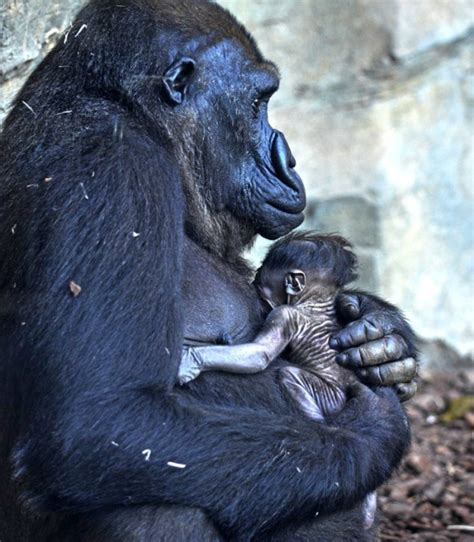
289,207
279,219
283,206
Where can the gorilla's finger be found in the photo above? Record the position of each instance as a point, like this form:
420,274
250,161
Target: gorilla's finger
356,333
375,352
406,391
403,371
348,306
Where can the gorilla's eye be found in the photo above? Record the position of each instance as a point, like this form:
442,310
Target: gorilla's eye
257,104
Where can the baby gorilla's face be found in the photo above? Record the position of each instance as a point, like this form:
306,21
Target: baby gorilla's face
271,287
290,286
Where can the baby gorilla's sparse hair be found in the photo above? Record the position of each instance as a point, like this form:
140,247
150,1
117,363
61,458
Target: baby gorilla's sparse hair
330,256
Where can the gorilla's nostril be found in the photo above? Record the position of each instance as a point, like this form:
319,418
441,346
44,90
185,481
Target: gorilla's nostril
283,163
281,154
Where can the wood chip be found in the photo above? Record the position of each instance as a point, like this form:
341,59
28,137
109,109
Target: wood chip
430,499
176,465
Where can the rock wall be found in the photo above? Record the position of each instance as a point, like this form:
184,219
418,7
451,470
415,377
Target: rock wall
376,100
28,29
377,103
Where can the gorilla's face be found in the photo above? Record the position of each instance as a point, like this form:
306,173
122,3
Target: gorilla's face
245,166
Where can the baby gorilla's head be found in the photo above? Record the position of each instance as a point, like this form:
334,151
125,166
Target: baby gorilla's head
304,261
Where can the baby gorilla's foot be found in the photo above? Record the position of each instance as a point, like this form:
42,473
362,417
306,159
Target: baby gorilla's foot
369,508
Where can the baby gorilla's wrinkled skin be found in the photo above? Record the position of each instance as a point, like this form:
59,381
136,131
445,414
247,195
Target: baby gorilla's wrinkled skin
300,287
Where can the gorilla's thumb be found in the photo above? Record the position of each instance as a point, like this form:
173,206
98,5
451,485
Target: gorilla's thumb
349,306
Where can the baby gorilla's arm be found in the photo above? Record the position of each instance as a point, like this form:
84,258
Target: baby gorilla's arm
251,357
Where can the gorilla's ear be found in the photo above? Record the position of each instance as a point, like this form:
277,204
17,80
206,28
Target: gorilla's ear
176,79
295,282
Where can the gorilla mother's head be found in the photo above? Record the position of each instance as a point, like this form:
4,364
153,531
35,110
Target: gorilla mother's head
198,81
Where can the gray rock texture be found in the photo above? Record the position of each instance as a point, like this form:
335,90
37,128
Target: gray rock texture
28,29
377,103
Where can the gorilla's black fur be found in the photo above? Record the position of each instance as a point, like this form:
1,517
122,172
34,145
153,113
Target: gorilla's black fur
138,162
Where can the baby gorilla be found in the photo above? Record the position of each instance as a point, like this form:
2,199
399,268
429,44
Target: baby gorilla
299,280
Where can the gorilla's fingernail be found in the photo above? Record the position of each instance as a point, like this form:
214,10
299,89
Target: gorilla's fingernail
334,343
342,358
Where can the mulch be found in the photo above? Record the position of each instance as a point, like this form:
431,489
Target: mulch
431,499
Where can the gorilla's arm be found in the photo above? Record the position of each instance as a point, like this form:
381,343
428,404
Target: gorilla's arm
377,342
140,448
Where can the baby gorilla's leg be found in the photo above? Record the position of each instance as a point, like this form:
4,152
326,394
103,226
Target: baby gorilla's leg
317,395
298,383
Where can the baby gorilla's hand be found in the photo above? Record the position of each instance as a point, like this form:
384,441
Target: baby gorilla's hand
190,366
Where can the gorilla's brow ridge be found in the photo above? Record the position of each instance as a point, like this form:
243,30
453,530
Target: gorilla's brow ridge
272,67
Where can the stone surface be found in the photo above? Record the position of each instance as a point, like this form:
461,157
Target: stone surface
28,28
314,42
428,225
351,216
368,271
426,23
358,220
377,102
440,356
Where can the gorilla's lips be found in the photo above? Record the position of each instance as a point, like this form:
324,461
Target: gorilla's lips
282,209
293,207
280,217
293,204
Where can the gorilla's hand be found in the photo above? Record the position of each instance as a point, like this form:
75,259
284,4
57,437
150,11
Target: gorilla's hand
376,342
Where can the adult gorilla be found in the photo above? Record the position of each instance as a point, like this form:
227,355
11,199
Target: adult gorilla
138,163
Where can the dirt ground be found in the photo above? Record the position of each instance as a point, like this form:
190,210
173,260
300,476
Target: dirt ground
432,497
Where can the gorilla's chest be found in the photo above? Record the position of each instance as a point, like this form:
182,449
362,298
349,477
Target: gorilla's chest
219,306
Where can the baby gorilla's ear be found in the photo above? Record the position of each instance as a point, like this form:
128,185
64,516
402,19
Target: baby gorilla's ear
295,282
